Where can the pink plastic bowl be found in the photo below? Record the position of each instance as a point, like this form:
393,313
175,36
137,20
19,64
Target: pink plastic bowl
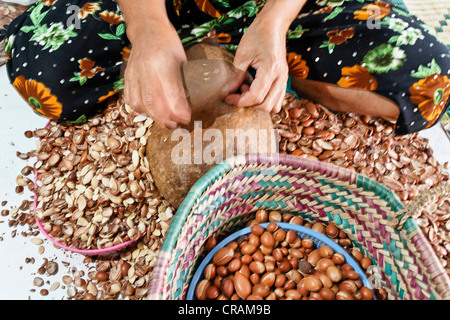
90,252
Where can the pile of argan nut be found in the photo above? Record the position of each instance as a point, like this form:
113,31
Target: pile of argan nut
94,188
274,263
368,145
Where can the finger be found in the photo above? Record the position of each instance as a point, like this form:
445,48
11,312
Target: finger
258,91
282,94
236,79
162,109
244,88
134,97
176,98
237,75
274,98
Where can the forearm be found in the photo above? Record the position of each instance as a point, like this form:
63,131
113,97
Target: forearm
281,13
143,16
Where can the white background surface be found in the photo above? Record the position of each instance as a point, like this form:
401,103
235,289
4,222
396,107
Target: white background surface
16,276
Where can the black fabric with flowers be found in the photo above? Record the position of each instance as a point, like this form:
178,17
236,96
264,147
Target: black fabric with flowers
65,56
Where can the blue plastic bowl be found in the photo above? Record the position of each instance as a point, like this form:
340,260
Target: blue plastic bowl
304,232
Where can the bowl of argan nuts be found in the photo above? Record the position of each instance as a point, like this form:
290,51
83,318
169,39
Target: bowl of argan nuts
363,216
279,261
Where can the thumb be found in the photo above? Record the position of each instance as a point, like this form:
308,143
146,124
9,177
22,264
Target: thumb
236,78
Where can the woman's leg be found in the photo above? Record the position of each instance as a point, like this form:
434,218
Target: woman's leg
370,58
65,57
336,98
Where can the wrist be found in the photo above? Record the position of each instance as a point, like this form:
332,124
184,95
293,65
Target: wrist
150,29
279,14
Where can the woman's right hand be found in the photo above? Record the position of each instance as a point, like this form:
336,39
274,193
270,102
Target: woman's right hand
153,83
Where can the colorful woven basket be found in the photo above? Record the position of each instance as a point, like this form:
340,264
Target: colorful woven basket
225,199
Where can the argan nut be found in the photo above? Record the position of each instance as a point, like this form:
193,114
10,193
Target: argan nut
212,292
272,227
234,265
201,289
351,274
267,240
257,267
298,220
313,284
242,285
305,267
279,235
326,251
248,249
227,287
334,274
261,216
366,263
261,289
366,293
356,254
275,216
344,295
254,240
257,230
331,231
314,257
293,294
324,263
327,294
101,276
254,278
209,272
338,258
211,243
284,266
307,243
318,227
223,256
268,278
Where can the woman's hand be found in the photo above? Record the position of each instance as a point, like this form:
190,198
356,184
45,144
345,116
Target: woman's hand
263,47
153,83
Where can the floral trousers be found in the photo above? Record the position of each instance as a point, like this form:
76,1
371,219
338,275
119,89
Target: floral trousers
65,56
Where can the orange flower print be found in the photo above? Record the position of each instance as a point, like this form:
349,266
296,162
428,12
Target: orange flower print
49,2
357,77
207,7
111,17
340,36
297,66
39,97
88,68
214,38
377,10
125,53
87,9
110,94
431,95
223,37
327,9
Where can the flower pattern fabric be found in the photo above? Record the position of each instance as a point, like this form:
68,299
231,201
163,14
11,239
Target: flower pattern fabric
66,71
39,97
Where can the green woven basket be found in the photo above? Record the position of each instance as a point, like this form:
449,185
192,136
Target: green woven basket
225,199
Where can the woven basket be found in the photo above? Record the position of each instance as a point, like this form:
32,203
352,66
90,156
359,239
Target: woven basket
225,199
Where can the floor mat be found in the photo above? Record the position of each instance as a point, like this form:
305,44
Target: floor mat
435,13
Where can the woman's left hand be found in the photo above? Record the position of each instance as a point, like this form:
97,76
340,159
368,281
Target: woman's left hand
263,47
